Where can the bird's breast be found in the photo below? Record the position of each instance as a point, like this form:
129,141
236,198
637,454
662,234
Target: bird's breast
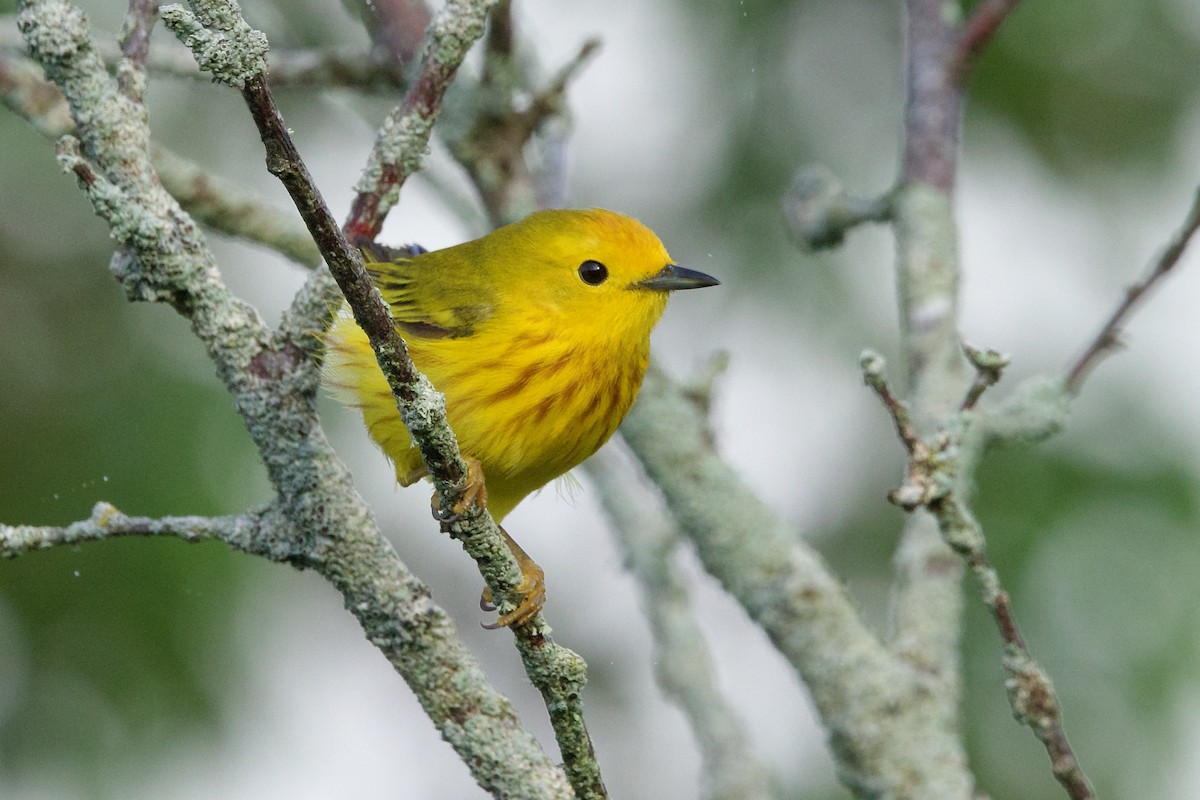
536,405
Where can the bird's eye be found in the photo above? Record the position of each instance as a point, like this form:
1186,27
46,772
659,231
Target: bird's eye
593,273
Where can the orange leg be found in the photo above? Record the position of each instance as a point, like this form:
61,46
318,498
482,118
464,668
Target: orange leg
531,591
475,494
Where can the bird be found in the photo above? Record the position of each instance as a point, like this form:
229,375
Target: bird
538,336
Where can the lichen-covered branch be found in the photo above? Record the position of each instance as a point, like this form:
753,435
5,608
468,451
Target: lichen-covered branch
819,211
876,706
328,528
404,137
400,146
682,662
557,672
927,599
106,522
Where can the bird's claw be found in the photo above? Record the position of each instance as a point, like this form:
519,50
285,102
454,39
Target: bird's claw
474,495
530,593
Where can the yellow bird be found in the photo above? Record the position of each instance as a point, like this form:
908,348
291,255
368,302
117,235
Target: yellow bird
538,335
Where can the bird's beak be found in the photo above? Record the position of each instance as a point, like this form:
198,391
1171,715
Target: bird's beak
673,277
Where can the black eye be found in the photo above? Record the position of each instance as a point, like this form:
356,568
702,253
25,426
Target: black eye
593,273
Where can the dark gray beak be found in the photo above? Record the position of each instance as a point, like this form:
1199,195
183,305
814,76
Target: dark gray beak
673,277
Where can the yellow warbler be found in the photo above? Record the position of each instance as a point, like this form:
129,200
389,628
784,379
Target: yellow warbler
538,335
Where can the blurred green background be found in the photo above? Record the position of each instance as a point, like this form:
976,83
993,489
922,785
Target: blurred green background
158,669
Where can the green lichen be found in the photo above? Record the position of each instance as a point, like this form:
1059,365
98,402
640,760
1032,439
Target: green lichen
221,41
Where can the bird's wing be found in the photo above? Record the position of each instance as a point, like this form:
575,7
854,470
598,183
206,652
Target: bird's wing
433,295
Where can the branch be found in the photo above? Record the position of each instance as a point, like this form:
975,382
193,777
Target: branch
1030,692
819,212
875,705
1110,333
397,27
135,45
493,151
400,144
328,527
404,137
106,522
558,673
927,599
683,664
346,67
935,474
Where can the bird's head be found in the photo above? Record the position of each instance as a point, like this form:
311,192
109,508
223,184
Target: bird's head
593,266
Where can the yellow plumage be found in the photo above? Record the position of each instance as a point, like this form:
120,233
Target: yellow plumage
538,335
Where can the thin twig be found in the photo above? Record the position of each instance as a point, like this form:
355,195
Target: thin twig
398,28
107,522
1110,334
412,122
985,19
1030,692
933,480
493,151
875,375
989,368
135,46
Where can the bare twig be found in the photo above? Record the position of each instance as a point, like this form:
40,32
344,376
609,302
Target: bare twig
493,151
1109,336
398,28
874,375
985,19
989,368
932,119
1030,692
135,45
933,477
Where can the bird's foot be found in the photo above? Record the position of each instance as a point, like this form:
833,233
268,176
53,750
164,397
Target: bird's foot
530,593
474,494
